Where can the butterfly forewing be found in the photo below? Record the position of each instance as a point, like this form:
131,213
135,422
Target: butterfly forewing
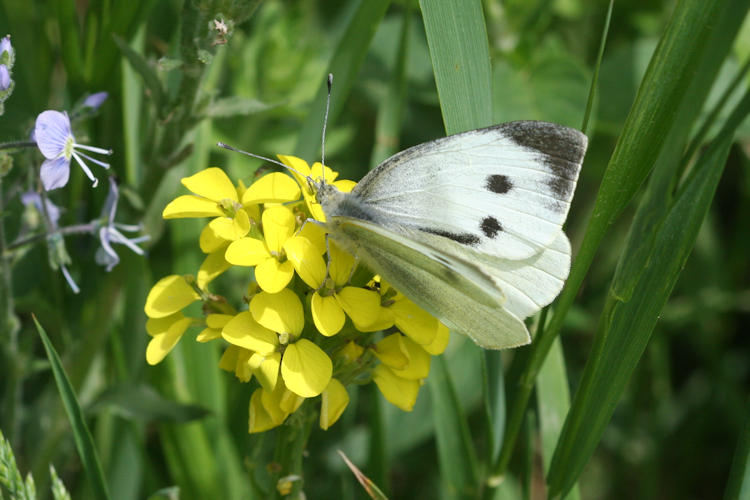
503,190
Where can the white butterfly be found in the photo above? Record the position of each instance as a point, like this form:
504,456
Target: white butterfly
469,227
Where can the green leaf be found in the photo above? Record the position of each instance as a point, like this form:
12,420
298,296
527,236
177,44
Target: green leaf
143,403
81,434
738,486
227,107
553,403
143,68
347,58
625,326
457,38
458,465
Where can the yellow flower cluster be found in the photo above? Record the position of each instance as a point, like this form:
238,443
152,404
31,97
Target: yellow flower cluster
294,338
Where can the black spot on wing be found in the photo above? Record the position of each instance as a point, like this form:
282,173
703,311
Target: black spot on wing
499,184
490,227
561,188
463,238
562,148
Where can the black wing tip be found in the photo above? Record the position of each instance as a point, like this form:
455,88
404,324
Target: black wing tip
549,138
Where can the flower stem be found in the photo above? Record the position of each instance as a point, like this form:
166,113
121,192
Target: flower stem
17,144
290,446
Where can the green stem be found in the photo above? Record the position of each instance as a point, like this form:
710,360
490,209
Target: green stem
291,441
17,144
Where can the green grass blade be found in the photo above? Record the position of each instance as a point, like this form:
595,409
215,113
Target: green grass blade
141,66
597,66
553,403
457,37
81,434
347,59
65,13
625,326
738,486
663,90
458,465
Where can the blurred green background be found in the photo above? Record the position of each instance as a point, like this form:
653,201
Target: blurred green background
176,87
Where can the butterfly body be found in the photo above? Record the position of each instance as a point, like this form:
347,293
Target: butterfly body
469,226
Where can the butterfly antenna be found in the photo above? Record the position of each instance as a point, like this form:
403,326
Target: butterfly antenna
329,83
230,148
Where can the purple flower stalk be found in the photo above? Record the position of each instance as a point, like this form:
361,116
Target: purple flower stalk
56,142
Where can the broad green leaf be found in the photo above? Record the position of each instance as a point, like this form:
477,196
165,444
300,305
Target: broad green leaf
457,37
347,59
81,434
625,326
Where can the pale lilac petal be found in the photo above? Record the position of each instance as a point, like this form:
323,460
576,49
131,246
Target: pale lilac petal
4,77
52,131
5,45
95,100
55,173
69,279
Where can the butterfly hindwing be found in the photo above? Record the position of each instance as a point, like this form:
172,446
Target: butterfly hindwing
503,190
455,291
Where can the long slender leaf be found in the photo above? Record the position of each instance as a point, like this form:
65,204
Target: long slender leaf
141,66
738,486
457,37
625,326
81,433
347,59
662,91
458,465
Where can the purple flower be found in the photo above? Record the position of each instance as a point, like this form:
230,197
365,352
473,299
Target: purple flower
110,232
5,46
95,100
4,77
56,142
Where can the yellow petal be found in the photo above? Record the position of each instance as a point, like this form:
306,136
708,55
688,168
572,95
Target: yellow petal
270,400
306,368
213,265
208,334
162,343
191,206
316,234
289,401
419,361
279,312
246,252
342,264
218,320
231,228
242,369
440,342
273,276
383,322
272,188
209,241
392,351
345,185
228,359
414,321
327,314
316,172
333,403
396,390
169,295
278,226
350,353
244,331
266,368
259,419
211,183
362,305
306,260
297,164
